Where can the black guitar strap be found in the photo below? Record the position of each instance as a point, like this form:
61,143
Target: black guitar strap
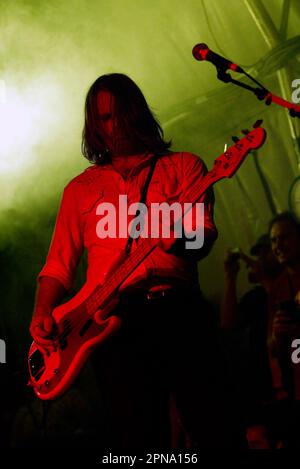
142,200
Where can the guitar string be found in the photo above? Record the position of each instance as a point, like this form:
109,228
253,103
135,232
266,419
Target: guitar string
105,290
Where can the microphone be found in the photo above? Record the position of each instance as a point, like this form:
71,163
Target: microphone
202,52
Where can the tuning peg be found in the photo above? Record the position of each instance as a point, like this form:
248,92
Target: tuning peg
245,131
235,139
294,113
258,123
268,101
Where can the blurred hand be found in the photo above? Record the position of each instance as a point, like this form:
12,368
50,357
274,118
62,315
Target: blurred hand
231,264
254,268
249,261
42,327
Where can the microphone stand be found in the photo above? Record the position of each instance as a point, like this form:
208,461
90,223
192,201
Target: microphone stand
261,93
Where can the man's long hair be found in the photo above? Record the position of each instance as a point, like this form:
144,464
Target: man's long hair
133,116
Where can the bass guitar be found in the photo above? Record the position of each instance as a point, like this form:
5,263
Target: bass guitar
82,328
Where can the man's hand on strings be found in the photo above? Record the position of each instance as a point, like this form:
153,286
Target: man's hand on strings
42,328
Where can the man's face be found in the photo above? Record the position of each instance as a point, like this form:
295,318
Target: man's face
106,118
116,141
285,242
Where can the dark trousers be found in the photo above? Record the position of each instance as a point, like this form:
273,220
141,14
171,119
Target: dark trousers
166,347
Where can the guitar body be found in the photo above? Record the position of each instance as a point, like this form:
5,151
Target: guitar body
78,334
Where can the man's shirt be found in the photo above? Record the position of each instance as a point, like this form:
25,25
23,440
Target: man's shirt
174,179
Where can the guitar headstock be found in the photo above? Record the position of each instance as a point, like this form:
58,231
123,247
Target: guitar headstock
228,163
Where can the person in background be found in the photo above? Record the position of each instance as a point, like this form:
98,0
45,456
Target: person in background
247,319
284,326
